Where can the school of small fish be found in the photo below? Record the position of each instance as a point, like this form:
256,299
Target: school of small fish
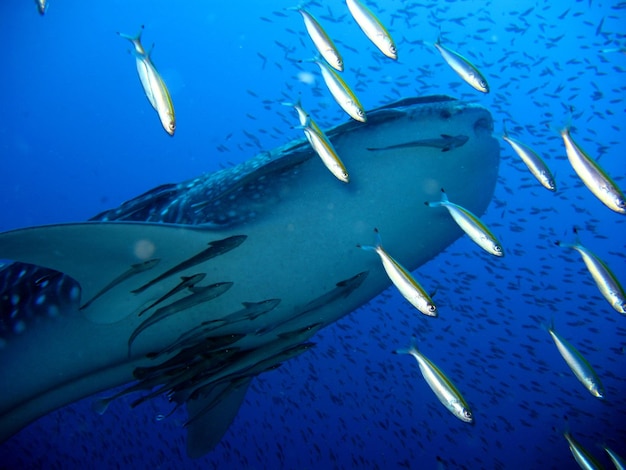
331,65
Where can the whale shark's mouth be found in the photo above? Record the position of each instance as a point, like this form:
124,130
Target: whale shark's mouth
192,289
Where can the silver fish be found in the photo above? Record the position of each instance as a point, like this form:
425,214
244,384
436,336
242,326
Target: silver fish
593,176
464,68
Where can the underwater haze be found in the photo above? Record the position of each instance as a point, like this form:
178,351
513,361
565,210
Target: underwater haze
78,137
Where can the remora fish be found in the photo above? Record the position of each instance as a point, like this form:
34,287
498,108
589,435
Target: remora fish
578,364
153,85
593,176
198,295
294,217
445,143
130,272
440,384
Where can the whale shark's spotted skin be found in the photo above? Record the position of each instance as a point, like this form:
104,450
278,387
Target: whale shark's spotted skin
278,230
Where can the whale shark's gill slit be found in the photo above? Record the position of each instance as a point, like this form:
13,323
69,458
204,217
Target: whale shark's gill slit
132,271
216,248
199,296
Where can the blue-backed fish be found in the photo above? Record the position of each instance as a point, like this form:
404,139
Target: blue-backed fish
410,289
578,364
593,176
373,28
445,391
607,282
463,67
153,85
471,225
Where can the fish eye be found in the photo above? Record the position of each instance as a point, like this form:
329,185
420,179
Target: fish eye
392,48
497,248
432,308
467,414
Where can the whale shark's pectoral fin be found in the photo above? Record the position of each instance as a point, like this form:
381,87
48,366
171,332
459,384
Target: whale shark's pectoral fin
207,429
109,260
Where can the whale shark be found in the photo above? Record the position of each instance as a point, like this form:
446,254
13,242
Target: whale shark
191,290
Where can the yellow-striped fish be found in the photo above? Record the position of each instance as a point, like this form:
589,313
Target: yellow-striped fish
471,225
325,150
320,143
410,289
153,85
619,462
534,162
606,281
463,67
594,177
373,28
579,365
323,43
440,384
342,93
303,115
583,457
42,6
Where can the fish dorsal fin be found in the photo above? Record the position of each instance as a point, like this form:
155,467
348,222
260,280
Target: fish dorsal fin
205,432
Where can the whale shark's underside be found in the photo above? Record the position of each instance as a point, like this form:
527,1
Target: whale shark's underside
192,289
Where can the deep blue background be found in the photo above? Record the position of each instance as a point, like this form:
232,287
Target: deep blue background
78,136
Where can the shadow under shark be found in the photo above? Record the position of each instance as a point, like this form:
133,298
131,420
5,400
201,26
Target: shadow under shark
192,289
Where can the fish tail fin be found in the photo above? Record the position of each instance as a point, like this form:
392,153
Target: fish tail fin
547,326
412,349
444,196
443,201
136,39
376,247
570,245
100,405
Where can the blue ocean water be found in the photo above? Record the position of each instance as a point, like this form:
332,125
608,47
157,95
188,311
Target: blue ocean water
77,136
